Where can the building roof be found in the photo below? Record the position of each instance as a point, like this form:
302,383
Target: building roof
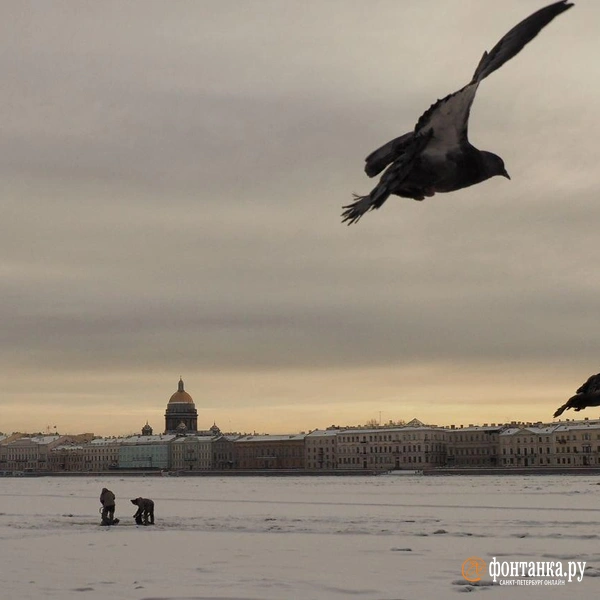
577,426
181,396
149,439
67,447
106,441
534,430
474,428
271,438
323,433
41,439
193,438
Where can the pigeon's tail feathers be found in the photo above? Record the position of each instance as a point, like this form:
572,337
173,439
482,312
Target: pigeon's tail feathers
517,38
378,160
362,204
404,153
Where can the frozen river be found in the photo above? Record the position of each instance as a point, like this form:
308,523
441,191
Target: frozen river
371,538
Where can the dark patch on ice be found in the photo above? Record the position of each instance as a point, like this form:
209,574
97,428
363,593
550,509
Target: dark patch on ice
566,536
472,586
562,556
591,572
342,592
401,549
439,531
83,589
481,583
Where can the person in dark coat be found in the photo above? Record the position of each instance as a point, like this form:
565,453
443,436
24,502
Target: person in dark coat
107,499
145,512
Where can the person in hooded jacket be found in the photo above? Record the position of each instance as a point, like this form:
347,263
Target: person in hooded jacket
107,499
145,512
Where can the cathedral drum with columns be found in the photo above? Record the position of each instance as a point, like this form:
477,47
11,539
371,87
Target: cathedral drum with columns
181,414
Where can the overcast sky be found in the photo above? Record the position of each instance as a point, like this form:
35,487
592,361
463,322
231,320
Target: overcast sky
172,181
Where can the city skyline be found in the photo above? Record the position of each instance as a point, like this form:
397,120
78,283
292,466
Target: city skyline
157,422
173,182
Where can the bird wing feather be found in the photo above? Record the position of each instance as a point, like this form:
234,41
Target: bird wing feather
591,386
517,38
379,159
447,122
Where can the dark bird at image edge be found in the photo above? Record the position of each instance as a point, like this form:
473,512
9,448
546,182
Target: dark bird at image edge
437,156
587,395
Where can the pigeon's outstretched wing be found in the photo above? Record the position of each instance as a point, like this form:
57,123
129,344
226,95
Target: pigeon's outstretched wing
451,163
520,35
587,395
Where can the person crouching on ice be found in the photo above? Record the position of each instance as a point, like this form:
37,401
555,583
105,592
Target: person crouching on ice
107,499
144,512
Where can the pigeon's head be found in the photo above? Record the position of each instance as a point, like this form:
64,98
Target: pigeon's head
494,165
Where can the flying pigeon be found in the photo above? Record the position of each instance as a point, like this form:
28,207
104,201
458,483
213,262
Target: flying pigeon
437,155
587,395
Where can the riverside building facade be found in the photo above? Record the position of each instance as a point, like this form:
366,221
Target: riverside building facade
412,446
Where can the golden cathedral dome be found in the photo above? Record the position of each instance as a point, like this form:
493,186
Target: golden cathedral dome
181,396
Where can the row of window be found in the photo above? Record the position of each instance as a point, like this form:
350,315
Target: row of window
469,451
258,452
358,460
548,461
382,437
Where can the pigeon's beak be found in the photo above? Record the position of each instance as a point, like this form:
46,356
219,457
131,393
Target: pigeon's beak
505,174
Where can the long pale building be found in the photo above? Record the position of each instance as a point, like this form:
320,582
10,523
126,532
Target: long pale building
413,446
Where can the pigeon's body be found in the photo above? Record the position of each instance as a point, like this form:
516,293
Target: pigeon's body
587,395
437,155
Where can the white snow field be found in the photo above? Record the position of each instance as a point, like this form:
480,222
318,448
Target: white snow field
371,538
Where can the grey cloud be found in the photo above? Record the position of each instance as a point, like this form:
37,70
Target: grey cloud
173,180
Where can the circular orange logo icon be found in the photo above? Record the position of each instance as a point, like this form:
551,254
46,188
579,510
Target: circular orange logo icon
472,568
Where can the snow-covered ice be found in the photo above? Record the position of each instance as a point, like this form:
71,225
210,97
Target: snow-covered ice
371,538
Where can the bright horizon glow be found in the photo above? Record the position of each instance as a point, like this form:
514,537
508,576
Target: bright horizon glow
284,401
